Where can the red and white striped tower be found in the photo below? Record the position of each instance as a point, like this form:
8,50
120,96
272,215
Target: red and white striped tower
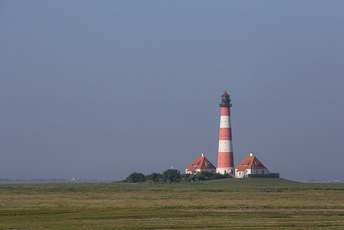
225,162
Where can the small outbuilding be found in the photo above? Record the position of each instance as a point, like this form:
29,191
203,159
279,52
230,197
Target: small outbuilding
200,164
252,167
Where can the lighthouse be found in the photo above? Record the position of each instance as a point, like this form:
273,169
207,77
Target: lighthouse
225,162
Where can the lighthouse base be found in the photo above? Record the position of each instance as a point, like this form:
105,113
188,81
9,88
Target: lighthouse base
223,171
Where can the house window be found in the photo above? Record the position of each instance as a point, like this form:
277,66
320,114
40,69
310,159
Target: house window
262,171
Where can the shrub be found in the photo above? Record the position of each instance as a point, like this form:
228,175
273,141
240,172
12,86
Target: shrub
135,177
171,175
216,176
188,177
155,177
202,176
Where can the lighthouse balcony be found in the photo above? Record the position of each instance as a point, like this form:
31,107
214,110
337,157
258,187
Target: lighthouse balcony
225,105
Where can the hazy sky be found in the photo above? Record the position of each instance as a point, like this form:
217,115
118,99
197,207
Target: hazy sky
100,89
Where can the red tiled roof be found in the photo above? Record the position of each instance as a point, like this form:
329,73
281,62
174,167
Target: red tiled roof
250,162
225,94
200,163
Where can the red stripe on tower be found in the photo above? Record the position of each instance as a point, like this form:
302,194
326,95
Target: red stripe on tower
225,162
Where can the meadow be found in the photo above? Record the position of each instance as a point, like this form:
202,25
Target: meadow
217,204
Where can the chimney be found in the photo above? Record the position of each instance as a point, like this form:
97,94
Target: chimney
251,154
202,154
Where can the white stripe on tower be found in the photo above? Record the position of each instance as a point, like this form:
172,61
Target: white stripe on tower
225,122
225,146
225,163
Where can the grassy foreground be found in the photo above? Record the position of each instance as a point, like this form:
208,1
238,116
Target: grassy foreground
220,204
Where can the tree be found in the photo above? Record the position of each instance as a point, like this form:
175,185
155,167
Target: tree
155,177
171,175
188,177
135,177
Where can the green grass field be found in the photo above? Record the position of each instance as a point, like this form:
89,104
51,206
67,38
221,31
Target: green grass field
219,204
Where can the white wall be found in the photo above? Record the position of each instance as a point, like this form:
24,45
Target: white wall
230,171
241,174
200,170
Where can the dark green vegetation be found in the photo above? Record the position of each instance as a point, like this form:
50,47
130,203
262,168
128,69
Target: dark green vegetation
217,204
135,178
174,176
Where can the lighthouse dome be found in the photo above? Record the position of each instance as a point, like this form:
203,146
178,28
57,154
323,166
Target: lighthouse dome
225,94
